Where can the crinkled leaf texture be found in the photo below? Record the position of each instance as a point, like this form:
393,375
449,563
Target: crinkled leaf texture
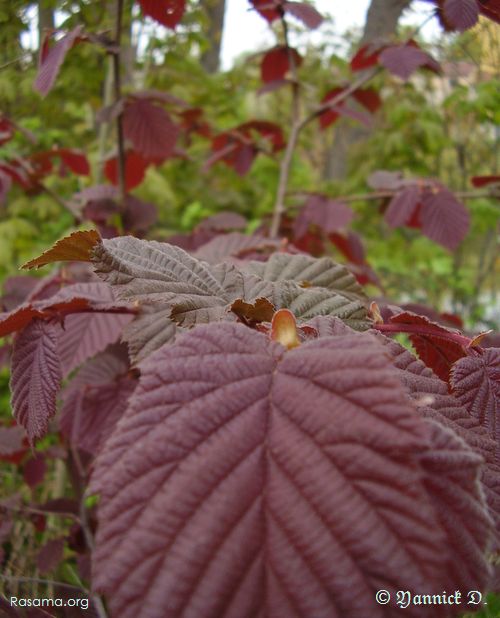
475,380
175,287
36,376
247,481
432,397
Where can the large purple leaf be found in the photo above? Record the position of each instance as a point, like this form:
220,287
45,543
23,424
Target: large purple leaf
155,272
444,219
247,481
150,129
475,380
49,68
235,246
461,14
96,398
35,377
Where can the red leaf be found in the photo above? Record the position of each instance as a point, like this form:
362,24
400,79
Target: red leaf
247,480
50,555
365,57
75,160
403,60
328,214
481,181
75,247
35,377
368,98
276,63
350,245
150,129
475,381
461,14
7,130
328,117
166,12
403,206
135,169
491,8
267,8
49,68
306,13
444,219
437,352
34,470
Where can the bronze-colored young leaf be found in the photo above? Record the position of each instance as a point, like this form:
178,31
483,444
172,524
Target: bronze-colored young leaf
76,247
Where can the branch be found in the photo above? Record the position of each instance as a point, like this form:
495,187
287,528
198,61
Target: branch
286,162
118,94
379,195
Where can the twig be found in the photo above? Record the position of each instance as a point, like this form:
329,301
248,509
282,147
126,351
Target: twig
118,94
15,578
15,60
29,509
286,162
378,195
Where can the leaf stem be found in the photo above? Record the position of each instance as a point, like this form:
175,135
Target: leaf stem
424,330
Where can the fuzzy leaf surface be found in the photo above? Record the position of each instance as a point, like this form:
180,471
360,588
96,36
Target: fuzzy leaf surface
35,377
475,380
51,64
207,506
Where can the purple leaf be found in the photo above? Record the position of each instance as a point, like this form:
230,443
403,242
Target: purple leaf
139,216
96,398
222,221
49,68
150,129
34,470
445,220
402,206
50,555
306,13
461,14
383,179
35,377
475,380
403,60
5,183
230,247
245,480
328,214
11,440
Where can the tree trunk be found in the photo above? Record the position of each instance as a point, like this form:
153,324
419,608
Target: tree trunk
210,59
381,21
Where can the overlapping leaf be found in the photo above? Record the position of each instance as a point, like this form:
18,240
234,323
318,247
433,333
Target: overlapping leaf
309,272
96,398
320,210
35,377
475,380
244,480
